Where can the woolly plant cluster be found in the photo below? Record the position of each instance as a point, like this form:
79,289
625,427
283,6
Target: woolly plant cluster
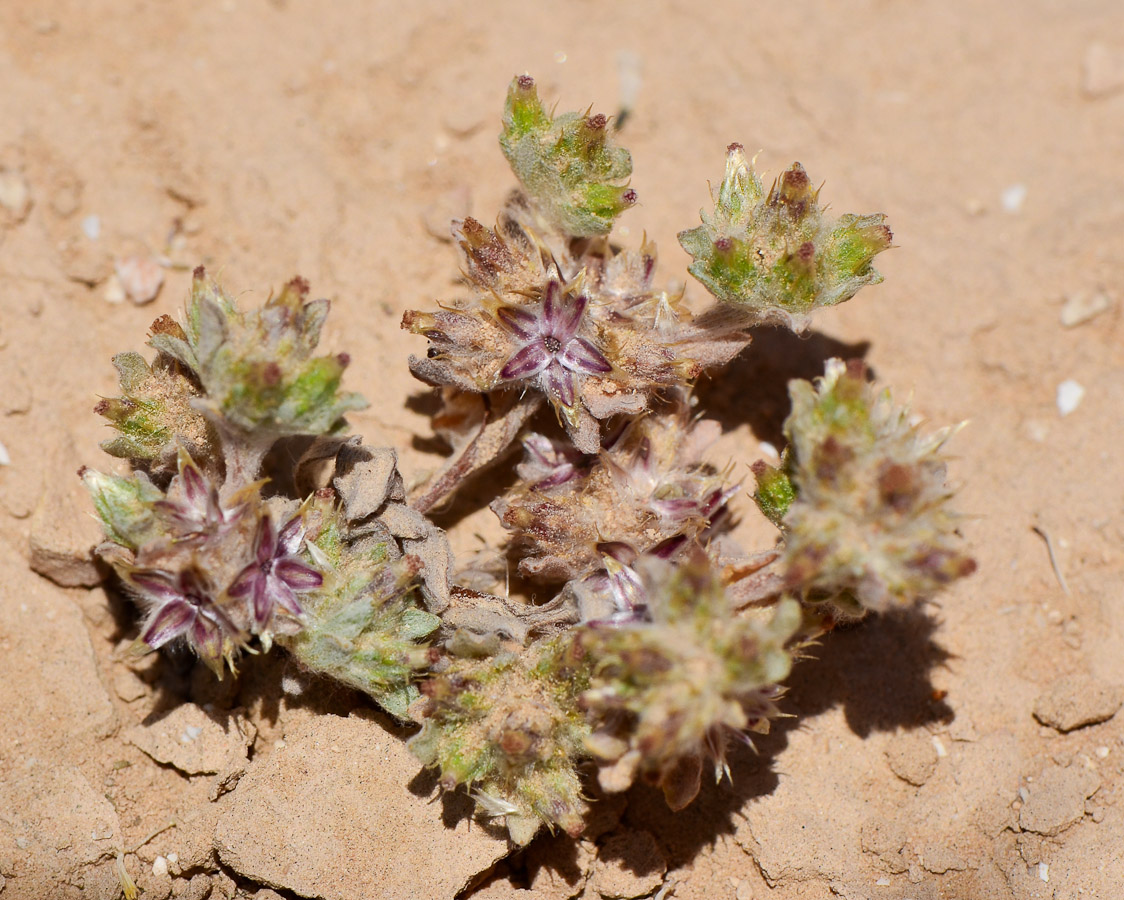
645,638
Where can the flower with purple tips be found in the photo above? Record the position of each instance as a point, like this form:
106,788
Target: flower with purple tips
198,513
551,347
276,575
183,606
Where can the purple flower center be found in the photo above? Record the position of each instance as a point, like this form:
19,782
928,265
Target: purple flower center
552,350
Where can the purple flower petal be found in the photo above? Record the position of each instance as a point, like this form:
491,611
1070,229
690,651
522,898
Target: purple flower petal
263,601
561,475
296,574
560,383
195,487
620,551
289,540
285,597
169,622
668,548
549,307
522,323
626,586
265,541
158,585
541,448
529,361
244,581
581,356
206,637
565,318
678,509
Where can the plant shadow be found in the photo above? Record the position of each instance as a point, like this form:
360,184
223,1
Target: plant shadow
878,672
753,388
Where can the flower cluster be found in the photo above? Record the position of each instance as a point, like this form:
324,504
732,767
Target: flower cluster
216,563
774,253
659,639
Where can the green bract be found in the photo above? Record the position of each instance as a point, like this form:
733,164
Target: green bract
775,253
256,368
871,520
567,164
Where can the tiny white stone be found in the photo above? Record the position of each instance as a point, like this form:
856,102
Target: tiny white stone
5,458
1013,198
1044,871
190,733
160,867
292,685
883,882
141,277
114,292
1070,394
14,194
1080,308
1102,752
91,227
939,747
280,745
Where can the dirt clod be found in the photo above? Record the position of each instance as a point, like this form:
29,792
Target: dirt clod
629,864
1056,799
320,839
193,740
912,757
1076,701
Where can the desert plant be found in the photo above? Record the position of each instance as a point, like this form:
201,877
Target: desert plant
660,640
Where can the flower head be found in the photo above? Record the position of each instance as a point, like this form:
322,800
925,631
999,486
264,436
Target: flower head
183,605
551,347
276,575
196,513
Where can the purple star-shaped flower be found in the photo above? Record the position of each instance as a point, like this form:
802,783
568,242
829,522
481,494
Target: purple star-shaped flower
277,574
552,349
199,514
182,605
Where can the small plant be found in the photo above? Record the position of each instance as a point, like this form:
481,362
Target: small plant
251,518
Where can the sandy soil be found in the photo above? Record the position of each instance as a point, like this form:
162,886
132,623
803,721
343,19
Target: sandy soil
266,139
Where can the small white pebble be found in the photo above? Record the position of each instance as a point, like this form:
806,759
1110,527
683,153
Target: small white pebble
190,733
883,882
141,277
1024,794
91,227
1044,871
939,747
1102,752
1070,394
5,458
160,867
1013,198
280,745
769,450
292,686
559,57
15,196
1080,308
114,292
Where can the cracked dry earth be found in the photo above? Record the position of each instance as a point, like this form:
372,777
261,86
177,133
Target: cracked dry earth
970,749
